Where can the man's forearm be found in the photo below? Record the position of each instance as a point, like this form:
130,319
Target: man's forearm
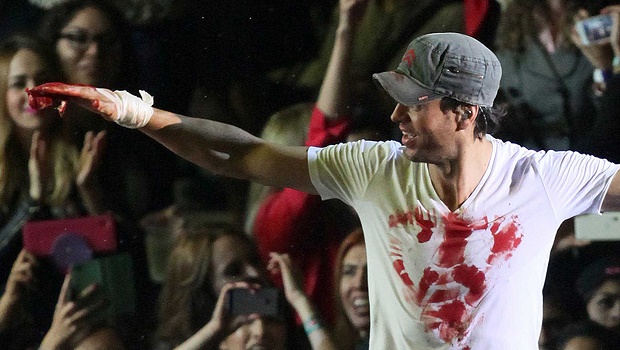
230,151
210,144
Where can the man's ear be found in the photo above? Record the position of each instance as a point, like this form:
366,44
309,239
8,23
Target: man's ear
466,115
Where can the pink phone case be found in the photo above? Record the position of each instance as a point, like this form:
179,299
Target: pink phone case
98,231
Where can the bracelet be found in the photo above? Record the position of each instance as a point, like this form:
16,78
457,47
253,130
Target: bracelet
311,325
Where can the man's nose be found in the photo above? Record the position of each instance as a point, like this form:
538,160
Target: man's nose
398,113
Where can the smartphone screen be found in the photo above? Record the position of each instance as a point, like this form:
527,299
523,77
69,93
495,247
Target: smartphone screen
264,301
595,29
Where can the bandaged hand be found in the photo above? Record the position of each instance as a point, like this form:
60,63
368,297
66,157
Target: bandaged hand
131,112
119,106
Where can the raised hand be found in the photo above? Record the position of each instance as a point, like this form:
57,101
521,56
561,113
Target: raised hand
88,97
22,276
38,166
88,186
73,319
291,277
614,11
90,156
221,323
352,11
599,54
20,281
320,338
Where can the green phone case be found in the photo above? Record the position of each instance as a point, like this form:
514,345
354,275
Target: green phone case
114,274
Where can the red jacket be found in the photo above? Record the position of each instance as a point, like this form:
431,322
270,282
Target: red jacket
294,222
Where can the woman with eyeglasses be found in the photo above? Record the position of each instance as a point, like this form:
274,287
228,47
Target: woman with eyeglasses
87,37
92,41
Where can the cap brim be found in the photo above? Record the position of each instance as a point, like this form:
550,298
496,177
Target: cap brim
403,89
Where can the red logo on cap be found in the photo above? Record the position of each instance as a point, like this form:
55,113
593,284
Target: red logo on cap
409,56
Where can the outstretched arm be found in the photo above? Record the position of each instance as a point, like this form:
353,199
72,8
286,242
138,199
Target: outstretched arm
229,151
221,148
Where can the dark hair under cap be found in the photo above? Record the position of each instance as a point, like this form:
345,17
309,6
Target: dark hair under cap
593,276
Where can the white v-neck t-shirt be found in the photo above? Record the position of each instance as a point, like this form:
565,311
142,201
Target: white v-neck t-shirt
465,279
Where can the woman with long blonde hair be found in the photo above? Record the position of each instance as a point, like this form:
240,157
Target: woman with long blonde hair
42,175
35,157
205,257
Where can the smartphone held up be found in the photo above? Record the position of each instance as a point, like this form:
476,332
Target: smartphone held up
595,30
263,301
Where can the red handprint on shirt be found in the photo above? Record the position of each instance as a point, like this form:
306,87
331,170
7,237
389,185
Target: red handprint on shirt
455,280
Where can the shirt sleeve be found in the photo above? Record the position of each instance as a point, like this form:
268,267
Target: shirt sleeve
576,183
344,171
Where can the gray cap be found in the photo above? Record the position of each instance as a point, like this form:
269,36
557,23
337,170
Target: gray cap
444,65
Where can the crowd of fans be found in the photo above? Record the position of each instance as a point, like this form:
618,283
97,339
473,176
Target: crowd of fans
298,74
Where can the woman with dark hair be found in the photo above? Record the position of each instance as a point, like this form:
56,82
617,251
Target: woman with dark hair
93,44
351,280
546,81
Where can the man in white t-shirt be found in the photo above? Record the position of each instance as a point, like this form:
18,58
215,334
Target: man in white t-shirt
458,225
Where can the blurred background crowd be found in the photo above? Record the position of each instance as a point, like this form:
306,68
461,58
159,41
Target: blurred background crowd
296,73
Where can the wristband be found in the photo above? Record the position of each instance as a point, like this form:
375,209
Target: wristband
311,325
615,64
601,75
131,111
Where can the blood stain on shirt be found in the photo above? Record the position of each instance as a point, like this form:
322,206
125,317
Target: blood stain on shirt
450,289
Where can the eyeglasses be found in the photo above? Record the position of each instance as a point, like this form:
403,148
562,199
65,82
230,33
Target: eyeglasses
81,40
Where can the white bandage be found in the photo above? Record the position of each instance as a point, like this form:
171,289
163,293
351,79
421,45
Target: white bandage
131,111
